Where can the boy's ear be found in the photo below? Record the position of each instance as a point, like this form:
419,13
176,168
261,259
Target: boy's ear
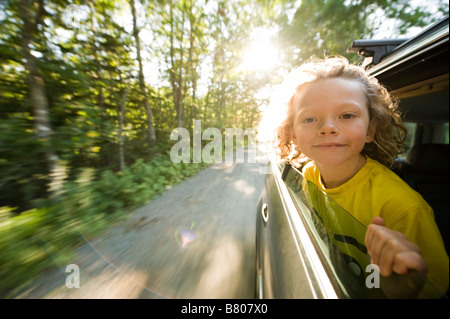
370,133
294,138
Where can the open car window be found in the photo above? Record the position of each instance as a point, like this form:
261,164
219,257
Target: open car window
339,241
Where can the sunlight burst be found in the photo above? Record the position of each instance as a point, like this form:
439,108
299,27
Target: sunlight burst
261,54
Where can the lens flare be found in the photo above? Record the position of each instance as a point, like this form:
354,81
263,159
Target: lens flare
186,238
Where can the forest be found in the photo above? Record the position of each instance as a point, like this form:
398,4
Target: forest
90,92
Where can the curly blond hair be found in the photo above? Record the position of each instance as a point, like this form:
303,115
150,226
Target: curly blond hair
385,117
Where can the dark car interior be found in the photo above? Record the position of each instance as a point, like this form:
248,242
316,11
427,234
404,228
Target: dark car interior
425,166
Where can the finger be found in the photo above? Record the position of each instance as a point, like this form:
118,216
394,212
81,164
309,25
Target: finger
407,260
375,240
371,232
398,254
368,240
387,254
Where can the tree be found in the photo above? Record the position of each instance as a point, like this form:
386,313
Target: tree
176,73
327,27
142,85
32,14
78,91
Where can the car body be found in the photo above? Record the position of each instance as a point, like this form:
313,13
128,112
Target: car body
293,259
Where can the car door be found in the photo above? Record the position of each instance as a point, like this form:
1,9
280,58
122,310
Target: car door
288,265
310,247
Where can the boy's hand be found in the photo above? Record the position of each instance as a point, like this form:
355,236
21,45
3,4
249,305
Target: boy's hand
391,250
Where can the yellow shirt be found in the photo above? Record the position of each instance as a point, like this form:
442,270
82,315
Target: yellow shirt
377,191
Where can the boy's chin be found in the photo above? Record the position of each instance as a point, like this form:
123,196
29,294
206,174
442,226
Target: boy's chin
337,162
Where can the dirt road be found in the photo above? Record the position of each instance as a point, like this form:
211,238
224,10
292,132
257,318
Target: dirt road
195,241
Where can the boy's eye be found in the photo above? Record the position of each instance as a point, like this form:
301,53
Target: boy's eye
308,120
347,116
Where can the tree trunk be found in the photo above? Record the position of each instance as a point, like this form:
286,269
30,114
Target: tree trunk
191,72
36,87
143,87
176,80
121,115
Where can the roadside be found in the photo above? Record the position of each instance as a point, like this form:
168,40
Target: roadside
195,241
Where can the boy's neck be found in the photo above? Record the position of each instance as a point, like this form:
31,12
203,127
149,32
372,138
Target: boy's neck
333,176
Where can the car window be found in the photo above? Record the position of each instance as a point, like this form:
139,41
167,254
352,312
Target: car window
411,127
446,133
339,241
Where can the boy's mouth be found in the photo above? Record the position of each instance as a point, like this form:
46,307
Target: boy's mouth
328,145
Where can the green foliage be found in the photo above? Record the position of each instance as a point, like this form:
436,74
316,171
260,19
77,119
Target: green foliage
30,243
327,27
43,238
22,174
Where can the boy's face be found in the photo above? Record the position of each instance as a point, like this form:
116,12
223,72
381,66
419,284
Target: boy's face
331,121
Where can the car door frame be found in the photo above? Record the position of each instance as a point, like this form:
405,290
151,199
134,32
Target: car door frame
278,211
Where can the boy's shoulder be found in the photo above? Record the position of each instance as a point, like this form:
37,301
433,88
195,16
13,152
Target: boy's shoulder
310,171
389,183
308,166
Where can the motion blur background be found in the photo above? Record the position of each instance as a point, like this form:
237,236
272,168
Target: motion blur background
90,91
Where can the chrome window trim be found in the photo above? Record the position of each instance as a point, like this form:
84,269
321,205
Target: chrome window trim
318,278
398,57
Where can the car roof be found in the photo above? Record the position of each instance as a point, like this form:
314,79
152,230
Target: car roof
416,70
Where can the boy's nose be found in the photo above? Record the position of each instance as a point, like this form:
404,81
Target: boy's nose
328,127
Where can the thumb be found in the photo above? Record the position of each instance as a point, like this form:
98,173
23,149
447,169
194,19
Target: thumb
378,221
